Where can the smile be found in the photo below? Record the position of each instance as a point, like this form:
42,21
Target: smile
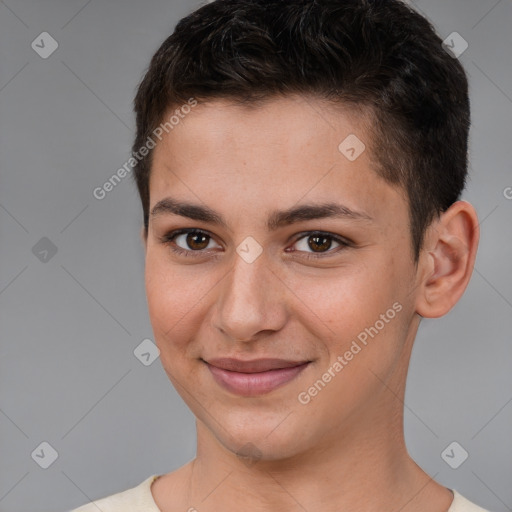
255,383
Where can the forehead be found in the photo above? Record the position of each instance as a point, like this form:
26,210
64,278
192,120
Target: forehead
294,123
282,151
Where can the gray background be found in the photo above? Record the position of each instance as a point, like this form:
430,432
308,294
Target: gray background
70,324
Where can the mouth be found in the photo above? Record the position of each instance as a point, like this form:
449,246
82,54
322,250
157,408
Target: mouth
256,377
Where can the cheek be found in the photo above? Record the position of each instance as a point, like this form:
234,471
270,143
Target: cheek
361,334
173,298
356,314
344,301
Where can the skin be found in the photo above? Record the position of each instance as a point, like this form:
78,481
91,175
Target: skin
348,440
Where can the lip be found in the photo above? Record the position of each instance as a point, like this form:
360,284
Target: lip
253,365
256,377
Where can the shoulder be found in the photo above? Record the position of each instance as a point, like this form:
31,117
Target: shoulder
132,500
461,504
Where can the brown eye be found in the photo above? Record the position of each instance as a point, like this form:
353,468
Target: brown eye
187,242
197,240
319,243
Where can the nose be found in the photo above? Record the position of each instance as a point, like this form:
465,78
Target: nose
251,302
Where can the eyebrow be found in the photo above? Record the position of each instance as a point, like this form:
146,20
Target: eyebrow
276,220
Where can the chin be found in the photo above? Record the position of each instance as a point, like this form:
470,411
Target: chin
271,440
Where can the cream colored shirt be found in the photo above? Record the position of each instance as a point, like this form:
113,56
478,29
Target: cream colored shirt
140,499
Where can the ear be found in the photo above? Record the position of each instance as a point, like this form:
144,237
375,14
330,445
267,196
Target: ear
447,260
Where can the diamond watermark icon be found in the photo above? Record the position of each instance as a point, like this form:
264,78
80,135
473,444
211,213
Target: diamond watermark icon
249,249
44,250
44,45
147,352
454,455
45,455
352,147
455,45
249,454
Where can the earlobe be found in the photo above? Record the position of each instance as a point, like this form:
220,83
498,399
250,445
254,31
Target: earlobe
449,260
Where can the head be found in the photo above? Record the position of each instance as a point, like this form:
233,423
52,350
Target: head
265,95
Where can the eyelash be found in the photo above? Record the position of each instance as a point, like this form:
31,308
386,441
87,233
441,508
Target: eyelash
168,240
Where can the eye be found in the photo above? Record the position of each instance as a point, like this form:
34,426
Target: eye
320,244
193,241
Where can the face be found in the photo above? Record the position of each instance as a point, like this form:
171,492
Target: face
256,267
